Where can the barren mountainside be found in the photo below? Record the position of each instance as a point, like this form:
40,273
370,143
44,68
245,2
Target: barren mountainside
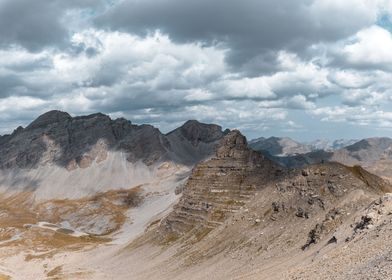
241,216
95,198
58,138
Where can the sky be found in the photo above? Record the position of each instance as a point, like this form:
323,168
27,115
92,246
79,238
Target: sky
306,69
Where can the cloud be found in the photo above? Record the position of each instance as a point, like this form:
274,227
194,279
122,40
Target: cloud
371,47
351,79
31,24
253,30
153,76
38,24
262,66
358,116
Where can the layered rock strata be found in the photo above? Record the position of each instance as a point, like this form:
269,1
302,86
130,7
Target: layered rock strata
218,187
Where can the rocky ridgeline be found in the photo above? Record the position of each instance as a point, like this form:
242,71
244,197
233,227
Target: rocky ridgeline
374,154
218,187
243,185
57,138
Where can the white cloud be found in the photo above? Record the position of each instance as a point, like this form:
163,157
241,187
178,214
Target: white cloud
370,46
351,79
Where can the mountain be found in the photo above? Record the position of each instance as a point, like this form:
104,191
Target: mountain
276,146
83,181
218,187
194,141
285,146
241,216
93,153
94,198
83,175
57,138
374,154
327,145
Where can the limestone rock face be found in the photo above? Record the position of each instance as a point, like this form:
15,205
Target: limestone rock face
57,138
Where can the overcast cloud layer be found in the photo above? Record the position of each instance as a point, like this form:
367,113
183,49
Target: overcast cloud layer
307,69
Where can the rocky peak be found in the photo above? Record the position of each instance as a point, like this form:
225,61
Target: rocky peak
370,144
217,187
197,132
18,130
70,140
234,144
48,118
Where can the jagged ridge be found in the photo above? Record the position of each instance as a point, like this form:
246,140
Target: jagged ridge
57,138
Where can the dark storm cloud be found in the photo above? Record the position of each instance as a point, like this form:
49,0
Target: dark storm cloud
250,28
37,24
31,24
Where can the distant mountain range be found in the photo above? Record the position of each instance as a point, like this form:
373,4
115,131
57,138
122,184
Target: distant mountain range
285,146
374,154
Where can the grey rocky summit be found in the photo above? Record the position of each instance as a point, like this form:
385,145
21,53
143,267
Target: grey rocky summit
58,138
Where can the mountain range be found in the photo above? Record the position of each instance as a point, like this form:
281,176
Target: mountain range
374,154
285,146
90,197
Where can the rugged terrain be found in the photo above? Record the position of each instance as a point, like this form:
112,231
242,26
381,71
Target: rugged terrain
71,183
261,221
374,154
95,198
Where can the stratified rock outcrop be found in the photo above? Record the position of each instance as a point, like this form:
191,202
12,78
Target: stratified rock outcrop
218,187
